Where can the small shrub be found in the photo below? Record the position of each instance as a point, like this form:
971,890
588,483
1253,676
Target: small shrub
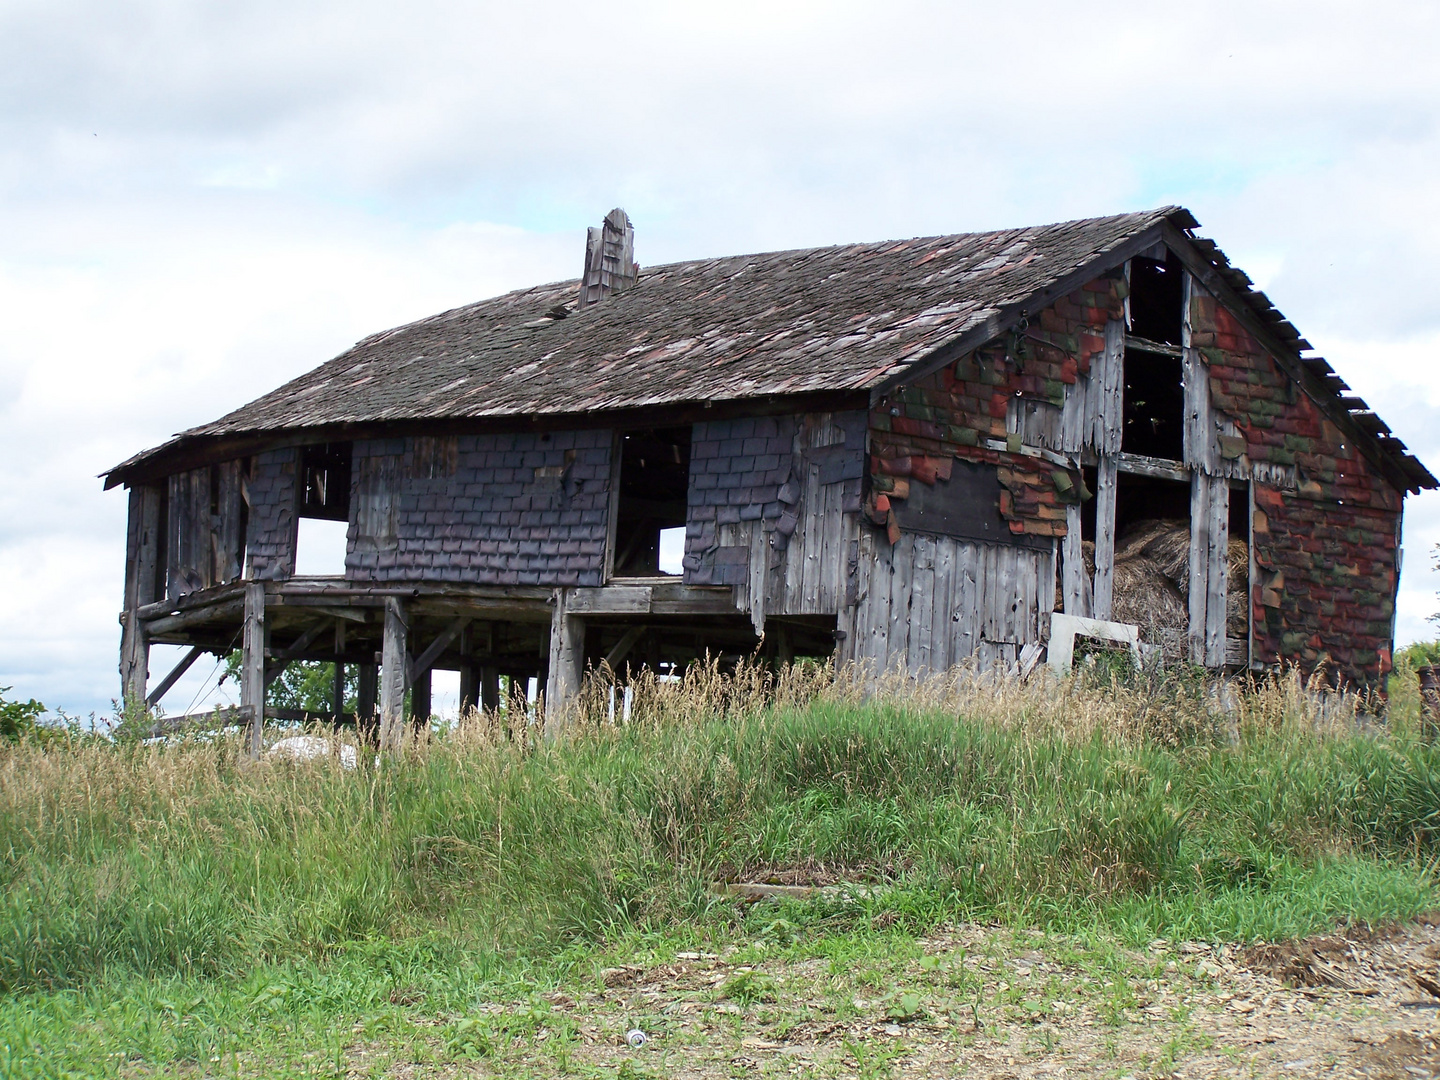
18,718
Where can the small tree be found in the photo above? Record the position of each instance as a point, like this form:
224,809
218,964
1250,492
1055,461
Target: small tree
304,684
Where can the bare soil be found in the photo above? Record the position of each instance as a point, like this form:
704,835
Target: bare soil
986,1002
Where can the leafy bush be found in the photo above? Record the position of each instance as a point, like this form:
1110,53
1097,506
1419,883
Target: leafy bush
18,718
1419,654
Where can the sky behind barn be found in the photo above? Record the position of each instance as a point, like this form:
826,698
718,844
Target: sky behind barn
201,200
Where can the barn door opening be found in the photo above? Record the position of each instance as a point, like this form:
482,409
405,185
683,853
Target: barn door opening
648,536
324,517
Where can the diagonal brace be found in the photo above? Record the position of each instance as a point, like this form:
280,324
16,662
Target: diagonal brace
152,698
422,663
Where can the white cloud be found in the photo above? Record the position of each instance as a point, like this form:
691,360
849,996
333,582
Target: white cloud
201,200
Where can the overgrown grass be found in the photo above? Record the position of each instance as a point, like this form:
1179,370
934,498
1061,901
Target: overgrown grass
1139,807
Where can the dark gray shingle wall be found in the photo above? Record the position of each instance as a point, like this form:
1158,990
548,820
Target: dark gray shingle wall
527,509
270,535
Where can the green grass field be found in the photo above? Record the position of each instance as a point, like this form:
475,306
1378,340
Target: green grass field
180,908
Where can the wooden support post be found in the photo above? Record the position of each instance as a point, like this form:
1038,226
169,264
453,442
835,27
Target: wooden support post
567,664
339,695
366,694
469,688
394,663
420,700
1217,576
252,663
1111,435
142,547
490,688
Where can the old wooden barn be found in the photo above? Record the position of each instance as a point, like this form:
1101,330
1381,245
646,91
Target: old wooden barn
906,453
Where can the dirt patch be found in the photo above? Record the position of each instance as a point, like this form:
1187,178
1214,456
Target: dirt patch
982,1002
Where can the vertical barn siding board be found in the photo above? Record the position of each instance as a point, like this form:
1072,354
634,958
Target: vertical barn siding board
863,584
177,535
940,636
901,569
876,587
1199,562
837,551
1077,582
232,504
758,576
1105,536
967,605
1217,572
922,605
202,547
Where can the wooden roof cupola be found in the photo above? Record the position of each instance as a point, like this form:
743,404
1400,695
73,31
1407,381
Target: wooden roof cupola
610,265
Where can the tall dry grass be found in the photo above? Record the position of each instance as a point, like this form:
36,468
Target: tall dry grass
972,792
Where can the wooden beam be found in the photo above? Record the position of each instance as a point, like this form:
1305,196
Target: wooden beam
188,620
252,662
426,660
153,698
612,600
1159,468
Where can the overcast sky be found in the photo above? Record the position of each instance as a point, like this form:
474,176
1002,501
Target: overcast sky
201,200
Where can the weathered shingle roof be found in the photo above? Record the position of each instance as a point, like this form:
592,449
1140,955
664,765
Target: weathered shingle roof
717,329
713,330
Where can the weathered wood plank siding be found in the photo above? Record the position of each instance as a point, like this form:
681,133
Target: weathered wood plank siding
927,603
774,510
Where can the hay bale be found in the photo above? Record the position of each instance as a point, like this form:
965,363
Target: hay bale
1152,581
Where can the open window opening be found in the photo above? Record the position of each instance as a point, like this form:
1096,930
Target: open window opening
1154,405
1152,559
324,516
1157,298
649,537
1154,401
